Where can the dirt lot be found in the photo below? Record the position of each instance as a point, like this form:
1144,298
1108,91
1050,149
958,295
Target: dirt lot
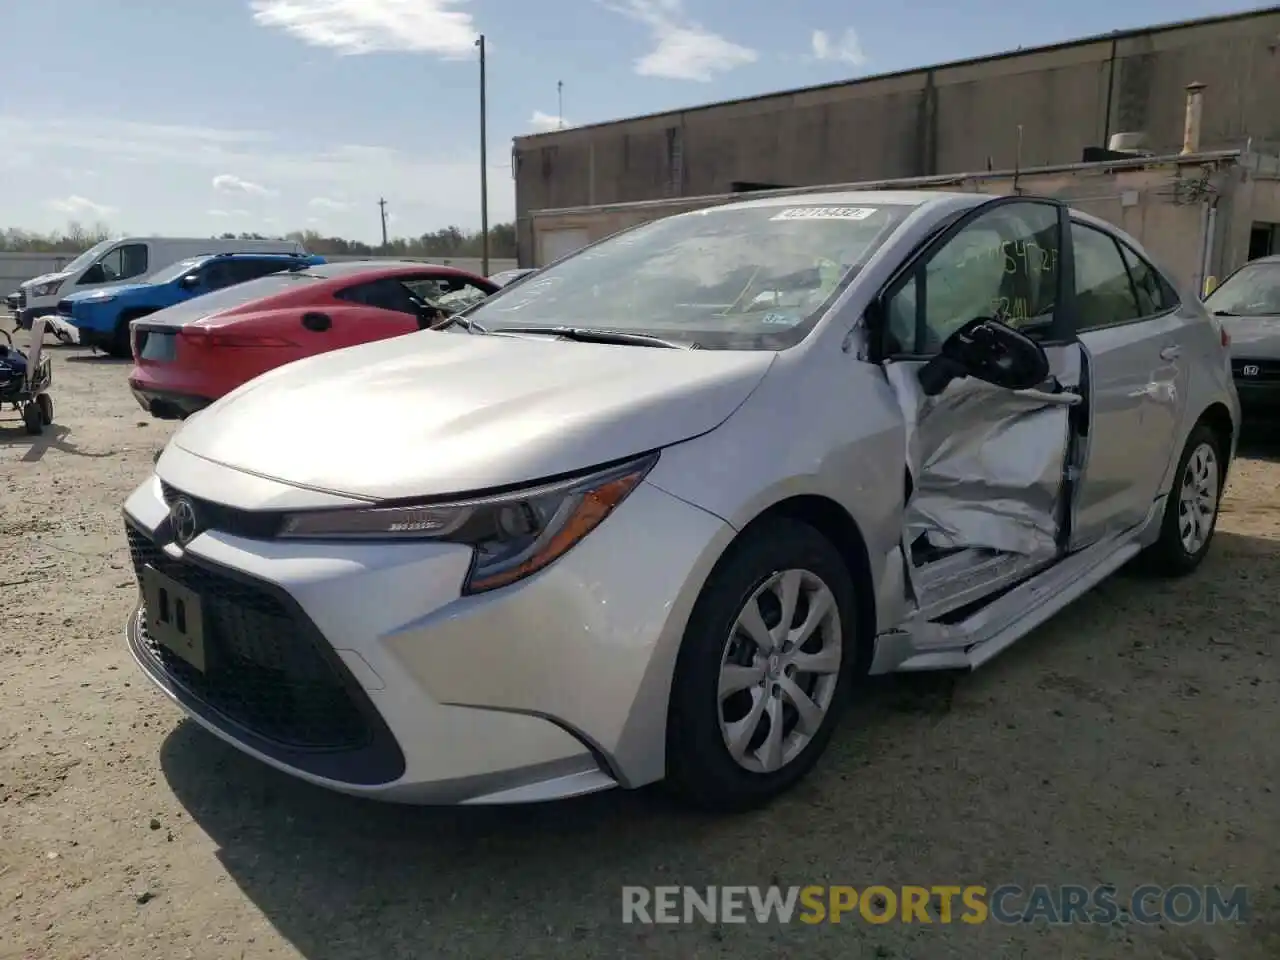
1132,740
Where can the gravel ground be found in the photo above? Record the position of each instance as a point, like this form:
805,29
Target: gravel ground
1128,741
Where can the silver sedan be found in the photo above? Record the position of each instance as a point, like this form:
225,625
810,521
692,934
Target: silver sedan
654,512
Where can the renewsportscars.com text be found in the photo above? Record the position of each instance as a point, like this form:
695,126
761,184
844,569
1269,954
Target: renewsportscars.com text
938,904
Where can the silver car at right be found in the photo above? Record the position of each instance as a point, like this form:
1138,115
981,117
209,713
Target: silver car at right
1247,304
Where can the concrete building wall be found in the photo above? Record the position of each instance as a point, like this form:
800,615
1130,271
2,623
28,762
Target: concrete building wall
1163,203
946,119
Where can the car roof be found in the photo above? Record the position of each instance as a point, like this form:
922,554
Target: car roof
843,198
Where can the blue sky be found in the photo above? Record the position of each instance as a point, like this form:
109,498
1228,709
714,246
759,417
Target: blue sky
187,117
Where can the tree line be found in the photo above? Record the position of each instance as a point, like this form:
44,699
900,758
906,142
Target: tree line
447,242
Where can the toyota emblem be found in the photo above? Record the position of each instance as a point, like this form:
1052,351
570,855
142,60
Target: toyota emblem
182,518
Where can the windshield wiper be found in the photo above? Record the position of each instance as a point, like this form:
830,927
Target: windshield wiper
459,318
588,335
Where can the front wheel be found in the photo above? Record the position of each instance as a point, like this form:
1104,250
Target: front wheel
1191,512
765,667
119,346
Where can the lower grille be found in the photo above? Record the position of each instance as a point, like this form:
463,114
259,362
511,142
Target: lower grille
265,669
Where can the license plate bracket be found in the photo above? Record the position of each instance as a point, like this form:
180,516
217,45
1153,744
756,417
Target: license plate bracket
175,617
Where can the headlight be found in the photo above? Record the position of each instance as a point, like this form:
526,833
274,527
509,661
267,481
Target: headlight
46,289
513,534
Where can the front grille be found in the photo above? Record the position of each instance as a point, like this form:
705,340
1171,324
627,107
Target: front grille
267,668
22,299
256,524
1255,371
64,307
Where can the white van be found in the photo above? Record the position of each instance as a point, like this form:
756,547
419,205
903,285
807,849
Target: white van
130,260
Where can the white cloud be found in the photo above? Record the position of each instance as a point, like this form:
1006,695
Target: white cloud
683,49
847,49
81,206
230,183
328,203
543,122
228,213
372,26
159,172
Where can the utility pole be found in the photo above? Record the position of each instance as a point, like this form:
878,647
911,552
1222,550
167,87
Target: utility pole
382,207
484,167
560,104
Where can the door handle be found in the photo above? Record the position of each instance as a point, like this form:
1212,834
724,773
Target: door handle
1171,352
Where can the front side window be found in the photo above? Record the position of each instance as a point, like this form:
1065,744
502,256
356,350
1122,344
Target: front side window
1252,291
1001,265
177,271
248,269
1105,296
733,277
124,262
216,275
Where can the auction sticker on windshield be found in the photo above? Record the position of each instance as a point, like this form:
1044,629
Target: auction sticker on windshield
824,213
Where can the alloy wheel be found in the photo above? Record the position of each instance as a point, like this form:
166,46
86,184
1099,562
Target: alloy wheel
779,671
1198,498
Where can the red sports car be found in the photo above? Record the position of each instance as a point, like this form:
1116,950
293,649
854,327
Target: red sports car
189,355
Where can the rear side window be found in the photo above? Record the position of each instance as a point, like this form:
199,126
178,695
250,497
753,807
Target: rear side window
1104,294
1154,295
385,294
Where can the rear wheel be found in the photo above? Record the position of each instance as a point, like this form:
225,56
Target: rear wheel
1191,512
765,667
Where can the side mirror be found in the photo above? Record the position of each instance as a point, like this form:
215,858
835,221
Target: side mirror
986,350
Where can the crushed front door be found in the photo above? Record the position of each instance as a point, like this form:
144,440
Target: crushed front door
986,466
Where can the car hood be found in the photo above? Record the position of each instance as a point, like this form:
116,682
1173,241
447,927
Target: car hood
115,291
441,413
1254,338
43,278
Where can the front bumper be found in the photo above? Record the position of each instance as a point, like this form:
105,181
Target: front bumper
359,666
27,315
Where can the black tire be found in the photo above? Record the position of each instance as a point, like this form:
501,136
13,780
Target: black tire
44,403
31,419
120,347
1169,556
700,768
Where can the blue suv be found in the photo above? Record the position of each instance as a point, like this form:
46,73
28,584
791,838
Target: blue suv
102,317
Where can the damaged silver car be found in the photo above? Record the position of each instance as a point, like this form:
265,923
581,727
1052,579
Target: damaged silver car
653,512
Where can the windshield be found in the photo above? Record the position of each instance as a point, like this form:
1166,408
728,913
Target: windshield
728,278
1252,291
179,269
86,258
